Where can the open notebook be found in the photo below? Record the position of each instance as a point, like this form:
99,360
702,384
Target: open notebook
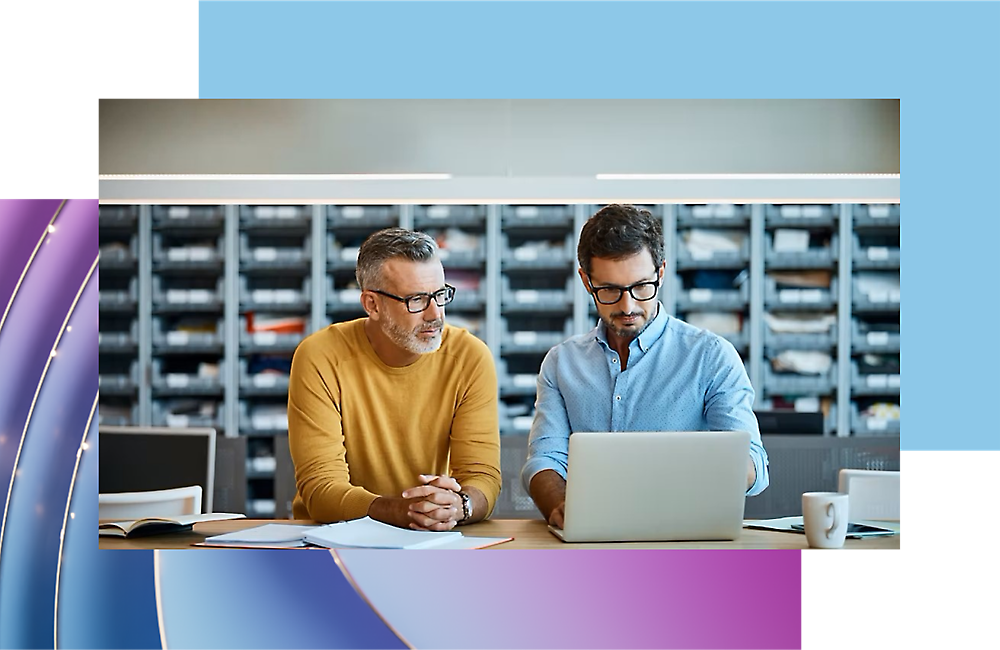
356,533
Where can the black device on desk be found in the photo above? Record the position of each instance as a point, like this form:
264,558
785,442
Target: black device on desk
857,530
790,422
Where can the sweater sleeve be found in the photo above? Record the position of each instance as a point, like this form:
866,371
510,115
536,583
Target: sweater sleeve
475,430
316,441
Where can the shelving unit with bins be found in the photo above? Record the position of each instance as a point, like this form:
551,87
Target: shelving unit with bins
184,286
275,306
712,288
537,272
874,375
186,373
118,337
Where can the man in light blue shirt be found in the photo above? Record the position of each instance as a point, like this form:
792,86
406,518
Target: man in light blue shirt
639,369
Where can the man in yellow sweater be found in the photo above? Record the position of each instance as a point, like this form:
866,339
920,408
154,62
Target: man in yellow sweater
394,416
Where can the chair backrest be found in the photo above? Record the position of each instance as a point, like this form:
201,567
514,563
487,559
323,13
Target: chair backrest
874,494
125,506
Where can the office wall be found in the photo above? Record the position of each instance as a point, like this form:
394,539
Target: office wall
504,138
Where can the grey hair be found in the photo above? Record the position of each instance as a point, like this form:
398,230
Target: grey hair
386,244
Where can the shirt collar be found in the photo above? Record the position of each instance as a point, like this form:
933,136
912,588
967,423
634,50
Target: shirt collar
649,336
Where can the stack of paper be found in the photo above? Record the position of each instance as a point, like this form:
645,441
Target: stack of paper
266,536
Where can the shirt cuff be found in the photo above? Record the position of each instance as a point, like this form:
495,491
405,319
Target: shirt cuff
538,464
761,479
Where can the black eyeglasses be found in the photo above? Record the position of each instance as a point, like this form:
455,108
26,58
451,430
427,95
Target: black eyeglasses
419,302
640,291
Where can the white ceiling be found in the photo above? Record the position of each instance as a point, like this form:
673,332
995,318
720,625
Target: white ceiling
498,138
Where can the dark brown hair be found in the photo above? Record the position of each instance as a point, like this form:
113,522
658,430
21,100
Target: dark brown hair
618,231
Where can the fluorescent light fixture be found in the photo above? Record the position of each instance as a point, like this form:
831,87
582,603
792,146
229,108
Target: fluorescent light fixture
274,177
739,177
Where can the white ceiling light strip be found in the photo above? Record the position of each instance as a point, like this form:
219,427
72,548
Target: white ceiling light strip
740,177
274,177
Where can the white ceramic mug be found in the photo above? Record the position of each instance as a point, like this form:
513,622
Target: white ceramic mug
824,515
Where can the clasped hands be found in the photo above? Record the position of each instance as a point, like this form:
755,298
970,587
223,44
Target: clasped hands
435,504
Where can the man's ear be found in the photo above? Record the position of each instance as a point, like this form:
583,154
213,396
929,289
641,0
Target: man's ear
370,304
584,280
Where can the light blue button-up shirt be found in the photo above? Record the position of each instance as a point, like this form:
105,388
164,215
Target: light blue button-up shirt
679,378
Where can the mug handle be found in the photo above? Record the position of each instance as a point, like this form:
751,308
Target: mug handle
831,511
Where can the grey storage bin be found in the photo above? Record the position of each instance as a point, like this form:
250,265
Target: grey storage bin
530,341
338,256
873,384
535,300
342,300
119,341
794,298
119,384
536,216
869,426
292,294
531,255
875,257
800,216
712,299
516,383
464,259
263,383
162,417
117,216
268,342
876,215
864,340
715,260
285,217
175,383
116,257
207,216
110,417
797,341
813,258
177,295
881,301
719,215
795,384
467,300
515,419
741,339
443,216
273,256
261,508
175,256
118,299
177,340
374,217
262,418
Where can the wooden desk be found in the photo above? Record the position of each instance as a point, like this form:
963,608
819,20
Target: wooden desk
527,534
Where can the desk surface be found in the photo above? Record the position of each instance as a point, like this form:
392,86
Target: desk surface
527,533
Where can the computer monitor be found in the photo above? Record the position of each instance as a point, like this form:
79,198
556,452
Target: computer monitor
135,459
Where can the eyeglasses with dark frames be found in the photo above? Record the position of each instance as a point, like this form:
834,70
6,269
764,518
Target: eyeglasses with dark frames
418,302
640,291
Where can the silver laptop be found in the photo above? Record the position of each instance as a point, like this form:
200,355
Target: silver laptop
655,486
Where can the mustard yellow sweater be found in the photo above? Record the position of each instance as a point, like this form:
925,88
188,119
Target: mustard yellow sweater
359,429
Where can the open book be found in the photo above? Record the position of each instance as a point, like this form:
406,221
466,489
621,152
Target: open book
160,525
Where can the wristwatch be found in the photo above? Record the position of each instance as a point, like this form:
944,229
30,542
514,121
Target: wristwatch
466,507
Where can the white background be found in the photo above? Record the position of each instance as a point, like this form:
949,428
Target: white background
58,58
